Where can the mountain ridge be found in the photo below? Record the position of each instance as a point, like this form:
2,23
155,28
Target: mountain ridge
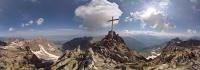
110,53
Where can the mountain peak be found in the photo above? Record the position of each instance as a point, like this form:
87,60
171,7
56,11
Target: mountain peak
112,36
175,41
113,46
111,50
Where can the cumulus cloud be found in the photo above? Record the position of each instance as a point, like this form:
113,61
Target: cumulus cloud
157,34
40,21
96,13
11,29
154,17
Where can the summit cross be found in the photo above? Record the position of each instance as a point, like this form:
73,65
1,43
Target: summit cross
112,20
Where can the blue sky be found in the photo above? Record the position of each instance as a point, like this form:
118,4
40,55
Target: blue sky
66,16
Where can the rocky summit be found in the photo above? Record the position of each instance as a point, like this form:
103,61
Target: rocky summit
110,53
178,55
113,46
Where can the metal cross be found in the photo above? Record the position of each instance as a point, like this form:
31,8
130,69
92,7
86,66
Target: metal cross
112,20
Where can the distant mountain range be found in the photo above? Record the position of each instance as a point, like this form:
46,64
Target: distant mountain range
83,42
138,43
134,44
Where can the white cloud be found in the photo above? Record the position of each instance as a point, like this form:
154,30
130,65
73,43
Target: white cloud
128,19
27,24
190,31
82,27
153,18
164,3
31,22
157,34
40,21
126,31
11,29
96,13
143,25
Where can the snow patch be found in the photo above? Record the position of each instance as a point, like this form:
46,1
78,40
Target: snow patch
153,56
43,54
51,47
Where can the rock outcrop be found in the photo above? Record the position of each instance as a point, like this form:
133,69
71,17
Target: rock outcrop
75,60
27,55
179,54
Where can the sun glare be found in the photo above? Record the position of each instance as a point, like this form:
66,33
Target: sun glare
148,12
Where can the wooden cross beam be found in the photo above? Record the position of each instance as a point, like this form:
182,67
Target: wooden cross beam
112,20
